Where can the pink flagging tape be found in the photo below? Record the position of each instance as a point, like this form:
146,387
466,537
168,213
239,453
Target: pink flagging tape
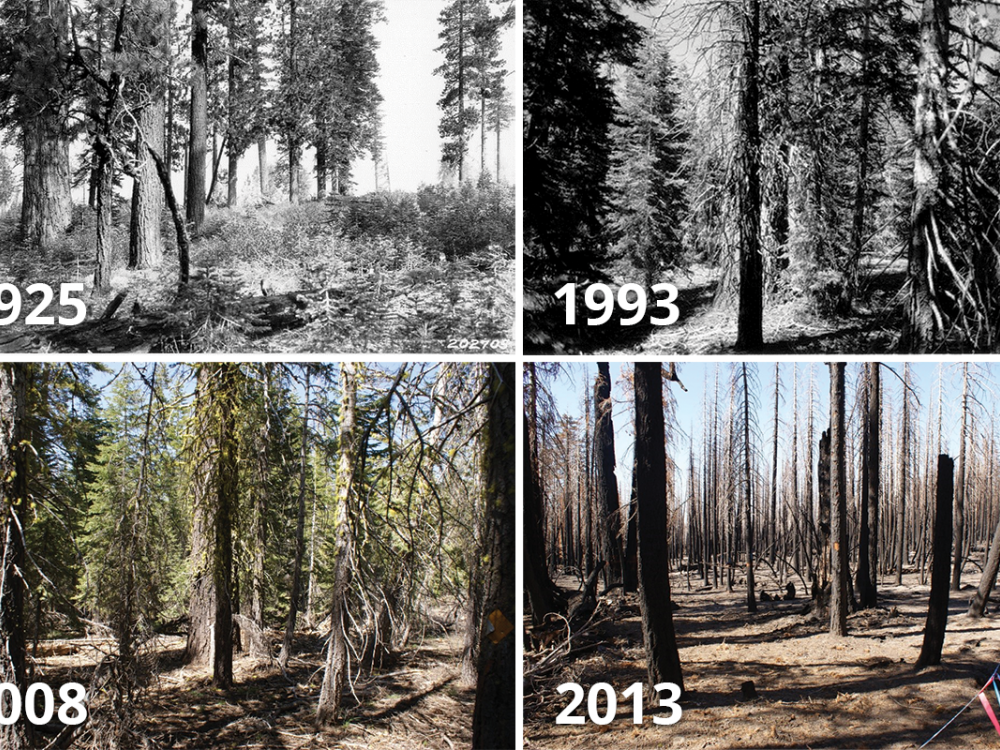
989,710
991,681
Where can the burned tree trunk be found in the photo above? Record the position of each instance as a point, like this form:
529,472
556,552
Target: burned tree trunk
839,572
609,521
937,608
978,605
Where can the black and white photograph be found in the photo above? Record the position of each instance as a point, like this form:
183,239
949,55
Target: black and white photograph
269,176
761,176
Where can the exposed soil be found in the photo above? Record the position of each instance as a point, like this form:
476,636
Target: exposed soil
418,702
814,690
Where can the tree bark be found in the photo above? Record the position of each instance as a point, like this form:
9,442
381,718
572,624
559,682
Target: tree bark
937,608
839,571
543,596
13,496
262,167
197,144
335,674
145,248
300,527
494,714
956,573
978,605
750,336
927,315
607,486
662,658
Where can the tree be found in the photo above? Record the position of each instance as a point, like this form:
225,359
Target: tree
989,579
300,524
335,672
956,572
569,106
868,565
214,487
750,336
493,717
13,497
606,485
937,607
839,571
195,193
646,175
34,98
928,309
145,248
662,659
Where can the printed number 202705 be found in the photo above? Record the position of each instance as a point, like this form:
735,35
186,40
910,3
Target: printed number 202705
606,305
11,302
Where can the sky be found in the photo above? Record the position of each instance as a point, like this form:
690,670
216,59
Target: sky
410,90
699,379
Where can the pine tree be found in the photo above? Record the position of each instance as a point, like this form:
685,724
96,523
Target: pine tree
647,165
569,106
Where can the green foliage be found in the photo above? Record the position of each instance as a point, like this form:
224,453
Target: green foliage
133,542
569,105
647,176
466,221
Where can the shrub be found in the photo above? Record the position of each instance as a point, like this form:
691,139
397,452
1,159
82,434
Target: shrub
393,215
464,221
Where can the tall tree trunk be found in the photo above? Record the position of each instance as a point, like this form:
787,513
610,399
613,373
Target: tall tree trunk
145,247
750,336
46,204
494,714
543,596
194,198
226,498
928,316
662,658
105,202
335,673
839,571
956,573
861,196
13,497
233,75
300,528
869,567
262,168
937,608
607,486
747,470
989,579
904,464
321,177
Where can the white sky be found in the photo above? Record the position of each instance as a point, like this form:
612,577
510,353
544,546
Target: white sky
410,91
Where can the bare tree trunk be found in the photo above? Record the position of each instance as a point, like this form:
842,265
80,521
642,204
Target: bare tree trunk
300,525
937,608
607,486
145,248
956,573
928,314
194,198
978,605
13,496
335,673
839,572
494,714
662,659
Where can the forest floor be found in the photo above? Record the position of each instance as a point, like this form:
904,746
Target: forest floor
814,690
272,279
417,703
708,322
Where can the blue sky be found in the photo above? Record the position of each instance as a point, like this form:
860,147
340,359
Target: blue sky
699,378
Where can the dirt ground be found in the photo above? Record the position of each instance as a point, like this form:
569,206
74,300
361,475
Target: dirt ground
814,690
417,702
